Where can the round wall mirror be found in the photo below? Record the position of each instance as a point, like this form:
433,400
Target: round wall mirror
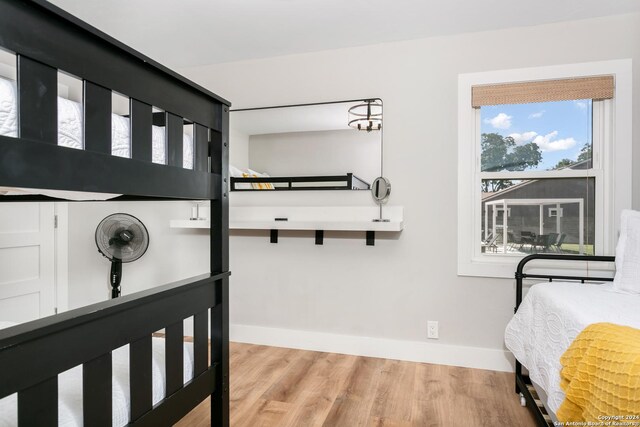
381,189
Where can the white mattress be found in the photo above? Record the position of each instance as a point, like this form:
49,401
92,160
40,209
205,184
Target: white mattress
549,319
70,127
70,388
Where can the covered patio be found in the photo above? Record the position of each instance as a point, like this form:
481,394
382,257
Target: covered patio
496,235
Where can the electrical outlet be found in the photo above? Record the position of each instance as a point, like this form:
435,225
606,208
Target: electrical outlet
432,329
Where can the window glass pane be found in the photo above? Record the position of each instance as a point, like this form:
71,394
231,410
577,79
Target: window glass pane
542,215
540,136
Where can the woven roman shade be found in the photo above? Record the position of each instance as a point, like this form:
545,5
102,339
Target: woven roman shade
599,87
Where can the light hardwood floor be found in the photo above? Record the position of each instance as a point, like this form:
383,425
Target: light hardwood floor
273,386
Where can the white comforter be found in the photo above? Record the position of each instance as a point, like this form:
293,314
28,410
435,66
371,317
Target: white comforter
70,127
549,319
70,388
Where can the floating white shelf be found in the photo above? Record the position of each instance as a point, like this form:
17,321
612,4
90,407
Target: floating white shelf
307,218
318,225
188,223
296,225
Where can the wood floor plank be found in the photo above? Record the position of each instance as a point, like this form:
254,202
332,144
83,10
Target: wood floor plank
393,400
431,396
263,413
290,385
321,388
261,374
387,422
278,387
353,404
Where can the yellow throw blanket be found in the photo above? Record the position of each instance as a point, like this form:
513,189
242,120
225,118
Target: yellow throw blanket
601,375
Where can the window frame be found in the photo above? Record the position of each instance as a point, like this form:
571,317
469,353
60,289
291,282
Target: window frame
611,161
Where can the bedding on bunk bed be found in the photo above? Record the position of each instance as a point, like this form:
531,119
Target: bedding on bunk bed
238,173
70,387
57,194
549,319
70,127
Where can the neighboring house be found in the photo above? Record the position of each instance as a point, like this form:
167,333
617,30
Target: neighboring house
543,206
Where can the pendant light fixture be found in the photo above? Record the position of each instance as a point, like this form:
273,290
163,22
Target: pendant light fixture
366,116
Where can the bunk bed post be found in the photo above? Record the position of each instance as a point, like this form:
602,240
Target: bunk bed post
219,153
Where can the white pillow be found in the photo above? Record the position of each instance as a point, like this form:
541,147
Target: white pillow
235,172
627,277
257,174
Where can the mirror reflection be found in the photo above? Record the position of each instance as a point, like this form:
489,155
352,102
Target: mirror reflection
327,146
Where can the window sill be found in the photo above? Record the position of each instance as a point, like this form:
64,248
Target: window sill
504,267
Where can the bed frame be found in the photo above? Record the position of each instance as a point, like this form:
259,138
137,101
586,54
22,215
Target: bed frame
343,182
46,39
523,383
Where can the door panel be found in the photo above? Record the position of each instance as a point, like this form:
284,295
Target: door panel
27,260
21,308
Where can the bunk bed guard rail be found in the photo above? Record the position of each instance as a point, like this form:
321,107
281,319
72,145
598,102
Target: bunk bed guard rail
46,40
292,183
33,354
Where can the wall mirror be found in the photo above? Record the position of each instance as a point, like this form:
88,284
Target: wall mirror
323,146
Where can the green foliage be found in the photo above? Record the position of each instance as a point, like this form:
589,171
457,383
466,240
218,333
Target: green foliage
501,153
524,156
564,163
493,185
585,153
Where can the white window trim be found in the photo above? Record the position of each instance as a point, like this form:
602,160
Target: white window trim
612,155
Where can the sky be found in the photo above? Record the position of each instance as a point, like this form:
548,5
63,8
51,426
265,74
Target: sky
560,129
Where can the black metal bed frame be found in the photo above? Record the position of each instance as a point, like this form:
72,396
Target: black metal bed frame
349,180
46,40
523,383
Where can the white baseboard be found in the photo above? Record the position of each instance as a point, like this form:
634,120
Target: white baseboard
414,351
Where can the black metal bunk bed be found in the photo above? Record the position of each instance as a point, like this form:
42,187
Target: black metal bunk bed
46,39
296,183
523,383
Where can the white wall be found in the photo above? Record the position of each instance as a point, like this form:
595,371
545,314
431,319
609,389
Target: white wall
333,152
392,289
388,291
239,151
173,254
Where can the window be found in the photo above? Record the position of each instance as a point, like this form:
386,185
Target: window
538,145
554,139
556,212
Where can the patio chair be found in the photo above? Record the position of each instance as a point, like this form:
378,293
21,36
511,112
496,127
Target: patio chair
491,243
557,246
545,241
527,238
511,240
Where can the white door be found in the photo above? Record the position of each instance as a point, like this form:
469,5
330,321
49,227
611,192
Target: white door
27,261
